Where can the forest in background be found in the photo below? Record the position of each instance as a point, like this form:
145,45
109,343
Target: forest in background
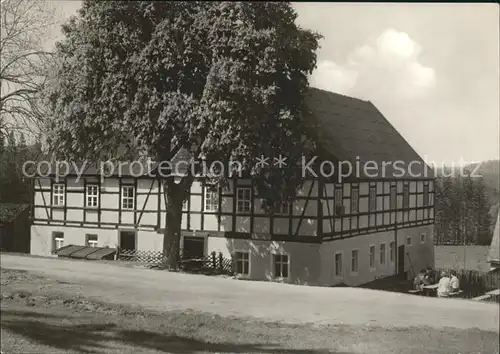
14,187
467,204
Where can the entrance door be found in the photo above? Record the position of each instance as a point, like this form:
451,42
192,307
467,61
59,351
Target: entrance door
401,259
127,240
194,247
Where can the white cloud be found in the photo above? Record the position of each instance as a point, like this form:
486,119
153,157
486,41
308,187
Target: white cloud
384,68
397,44
333,77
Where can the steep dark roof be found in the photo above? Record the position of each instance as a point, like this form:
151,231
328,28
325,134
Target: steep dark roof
494,253
352,129
346,129
9,211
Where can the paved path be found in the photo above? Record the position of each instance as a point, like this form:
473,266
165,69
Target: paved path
161,290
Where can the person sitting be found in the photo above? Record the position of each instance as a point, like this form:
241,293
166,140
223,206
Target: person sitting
419,280
454,282
429,276
444,286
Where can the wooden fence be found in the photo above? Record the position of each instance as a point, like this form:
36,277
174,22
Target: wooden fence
146,257
213,263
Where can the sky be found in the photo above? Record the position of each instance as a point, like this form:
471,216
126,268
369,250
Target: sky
432,69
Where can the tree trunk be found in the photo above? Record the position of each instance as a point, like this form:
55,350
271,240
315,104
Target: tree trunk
173,218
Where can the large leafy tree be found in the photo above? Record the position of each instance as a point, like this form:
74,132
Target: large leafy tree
220,80
24,64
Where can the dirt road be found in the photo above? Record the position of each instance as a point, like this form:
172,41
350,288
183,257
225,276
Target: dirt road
160,290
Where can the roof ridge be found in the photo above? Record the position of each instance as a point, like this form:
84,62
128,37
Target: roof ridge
338,94
357,127
401,135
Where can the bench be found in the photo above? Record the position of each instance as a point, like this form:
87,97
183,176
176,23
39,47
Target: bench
432,286
482,297
487,296
455,293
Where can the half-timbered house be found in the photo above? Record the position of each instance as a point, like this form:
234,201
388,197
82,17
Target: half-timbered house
367,226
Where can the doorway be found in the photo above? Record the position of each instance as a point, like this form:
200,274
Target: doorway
401,259
194,247
127,240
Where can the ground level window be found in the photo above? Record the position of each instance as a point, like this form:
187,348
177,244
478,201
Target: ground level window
408,240
338,264
58,241
242,260
382,253
422,238
91,240
372,256
281,265
354,261
392,251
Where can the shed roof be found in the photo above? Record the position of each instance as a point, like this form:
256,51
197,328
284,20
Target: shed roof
85,252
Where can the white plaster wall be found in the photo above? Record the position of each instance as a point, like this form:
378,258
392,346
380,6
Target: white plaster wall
42,238
362,244
210,221
313,264
149,241
110,201
303,258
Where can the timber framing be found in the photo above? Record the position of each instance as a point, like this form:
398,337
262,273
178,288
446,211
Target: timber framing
318,207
